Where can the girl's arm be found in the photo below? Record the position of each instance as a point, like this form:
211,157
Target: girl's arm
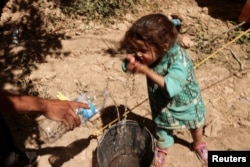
156,78
173,82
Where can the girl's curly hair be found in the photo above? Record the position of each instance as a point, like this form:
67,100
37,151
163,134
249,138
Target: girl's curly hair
153,29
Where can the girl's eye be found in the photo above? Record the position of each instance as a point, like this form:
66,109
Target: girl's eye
131,50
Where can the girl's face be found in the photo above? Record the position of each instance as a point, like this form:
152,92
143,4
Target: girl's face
145,53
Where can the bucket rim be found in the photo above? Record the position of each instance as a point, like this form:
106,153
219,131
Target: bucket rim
120,123
133,122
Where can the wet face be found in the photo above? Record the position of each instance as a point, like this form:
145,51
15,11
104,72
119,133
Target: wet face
145,53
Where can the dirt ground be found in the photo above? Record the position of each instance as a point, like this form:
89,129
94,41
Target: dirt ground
70,56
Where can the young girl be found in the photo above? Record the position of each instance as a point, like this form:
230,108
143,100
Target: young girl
173,91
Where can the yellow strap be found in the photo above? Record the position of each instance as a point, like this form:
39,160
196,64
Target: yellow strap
60,96
100,131
223,47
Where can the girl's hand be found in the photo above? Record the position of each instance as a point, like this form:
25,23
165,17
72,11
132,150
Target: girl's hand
134,65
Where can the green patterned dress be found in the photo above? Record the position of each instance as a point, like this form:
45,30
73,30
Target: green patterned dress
180,105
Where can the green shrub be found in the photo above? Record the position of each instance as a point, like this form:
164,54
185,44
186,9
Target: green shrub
99,9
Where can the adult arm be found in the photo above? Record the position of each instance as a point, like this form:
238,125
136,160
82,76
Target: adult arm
53,109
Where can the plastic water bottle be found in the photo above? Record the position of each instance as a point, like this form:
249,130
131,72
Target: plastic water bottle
95,100
50,130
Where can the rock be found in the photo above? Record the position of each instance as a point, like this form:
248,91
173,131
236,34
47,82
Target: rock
130,18
121,26
185,42
205,10
248,48
241,108
244,122
213,127
228,90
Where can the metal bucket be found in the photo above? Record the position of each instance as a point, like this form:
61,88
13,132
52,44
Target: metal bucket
126,144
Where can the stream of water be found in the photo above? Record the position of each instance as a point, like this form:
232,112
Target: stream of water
124,159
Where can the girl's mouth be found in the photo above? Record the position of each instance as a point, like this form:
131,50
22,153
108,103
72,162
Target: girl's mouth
137,58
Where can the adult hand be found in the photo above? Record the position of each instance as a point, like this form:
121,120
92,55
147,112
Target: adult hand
56,110
63,111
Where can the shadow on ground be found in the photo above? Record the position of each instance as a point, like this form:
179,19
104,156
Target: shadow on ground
18,58
60,155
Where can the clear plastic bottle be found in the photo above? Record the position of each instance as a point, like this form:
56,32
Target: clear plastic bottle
50,130
95,100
